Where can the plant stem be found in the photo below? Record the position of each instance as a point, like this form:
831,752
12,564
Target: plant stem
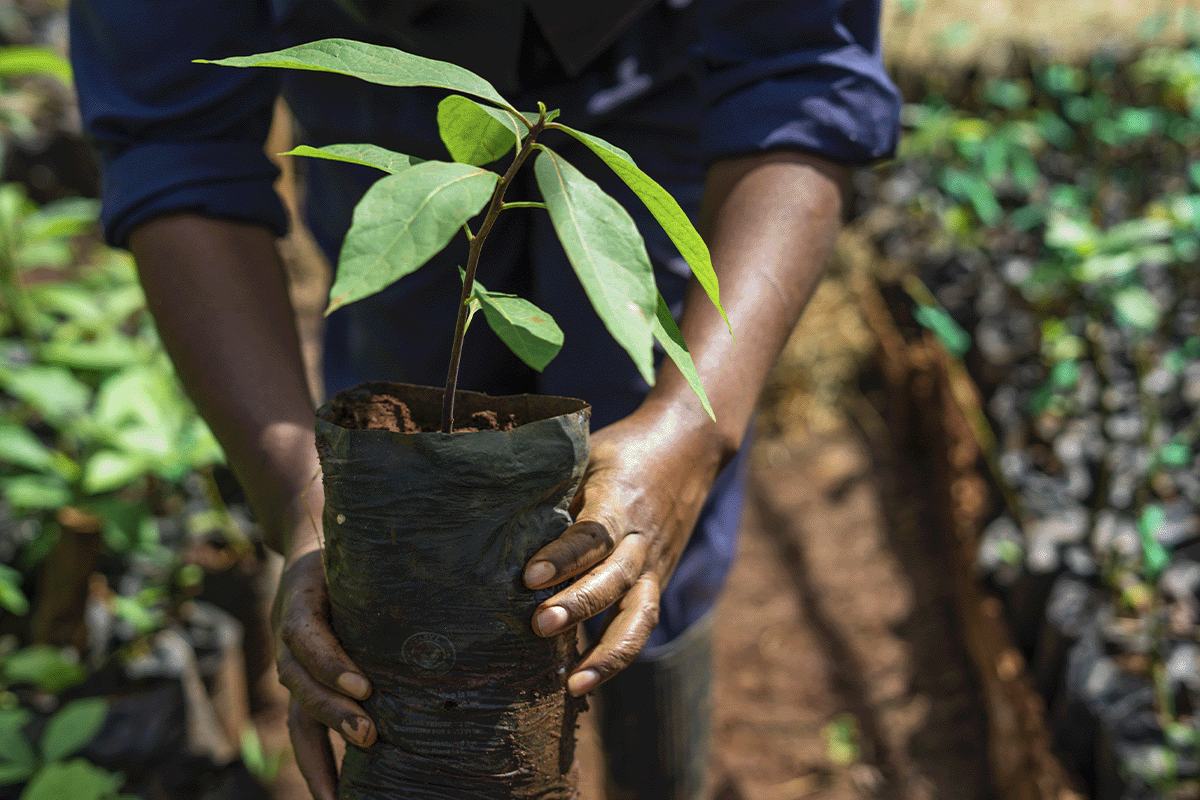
460,327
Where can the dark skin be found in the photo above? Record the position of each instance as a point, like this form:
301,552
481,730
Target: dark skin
219,294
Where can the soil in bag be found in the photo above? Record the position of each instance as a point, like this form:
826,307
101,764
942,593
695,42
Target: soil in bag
426,538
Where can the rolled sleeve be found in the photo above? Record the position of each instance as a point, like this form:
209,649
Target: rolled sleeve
173,135
804,75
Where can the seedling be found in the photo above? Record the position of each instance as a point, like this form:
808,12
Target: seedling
410,215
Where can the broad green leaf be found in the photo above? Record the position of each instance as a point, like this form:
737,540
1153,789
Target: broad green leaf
17,759
12,599
144,620
112,351
526,329
475,134
607,253
42,666
1175,454
76,779
26,60
32,492
664,208
53,392
368,155
372,63
1137,308
68,217
72,727
20,448
668,335
111,469
403,221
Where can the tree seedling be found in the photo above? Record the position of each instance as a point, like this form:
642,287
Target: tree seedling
412,213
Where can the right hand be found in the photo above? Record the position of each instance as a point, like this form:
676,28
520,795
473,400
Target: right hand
324,683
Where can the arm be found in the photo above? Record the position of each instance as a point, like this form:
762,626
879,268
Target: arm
219,295
771,220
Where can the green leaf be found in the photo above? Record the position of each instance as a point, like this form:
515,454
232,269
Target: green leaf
1137,308
403,221
27,60
668,335
111,469
20,448
112,351
42,666
53,392
368,155
77,779
372,63
72,727
68,217
1175,454
475,134
1155,557
607,253
17,759
32,492
12,599
526,329
664,208
950,333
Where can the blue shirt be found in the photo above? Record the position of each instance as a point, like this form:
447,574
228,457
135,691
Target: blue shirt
173,135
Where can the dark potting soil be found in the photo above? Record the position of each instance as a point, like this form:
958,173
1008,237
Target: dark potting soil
377,407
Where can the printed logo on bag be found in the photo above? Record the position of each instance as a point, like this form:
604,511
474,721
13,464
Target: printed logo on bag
429,652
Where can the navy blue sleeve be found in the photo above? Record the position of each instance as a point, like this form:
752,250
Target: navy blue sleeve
173,135
805,74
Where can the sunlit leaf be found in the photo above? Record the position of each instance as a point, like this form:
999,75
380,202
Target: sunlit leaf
112,469
1155,557
607,253
15,60
403,221
368,155
373,63
949,333
664,208
527,330
1137,308
475,134
19,447
72,727
53,392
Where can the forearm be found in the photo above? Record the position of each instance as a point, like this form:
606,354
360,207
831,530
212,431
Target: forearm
219,295
770,221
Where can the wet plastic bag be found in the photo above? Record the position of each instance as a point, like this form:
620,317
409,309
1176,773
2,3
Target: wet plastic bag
426,538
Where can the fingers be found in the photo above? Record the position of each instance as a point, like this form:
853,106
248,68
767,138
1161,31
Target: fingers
314,754
595,591
622,640
580,547
304,629
332,709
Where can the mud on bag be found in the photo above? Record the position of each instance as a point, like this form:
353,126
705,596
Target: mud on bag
426,538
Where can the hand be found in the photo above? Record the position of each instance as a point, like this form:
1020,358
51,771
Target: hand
323,682
645,484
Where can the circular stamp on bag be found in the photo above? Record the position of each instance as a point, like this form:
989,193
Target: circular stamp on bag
428,652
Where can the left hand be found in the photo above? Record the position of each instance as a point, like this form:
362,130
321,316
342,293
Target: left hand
645,484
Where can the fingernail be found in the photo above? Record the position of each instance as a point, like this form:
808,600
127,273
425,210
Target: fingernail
539,572
551,619
582,682
351,727
354,685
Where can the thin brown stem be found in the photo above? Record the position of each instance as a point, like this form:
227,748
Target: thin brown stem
460,327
